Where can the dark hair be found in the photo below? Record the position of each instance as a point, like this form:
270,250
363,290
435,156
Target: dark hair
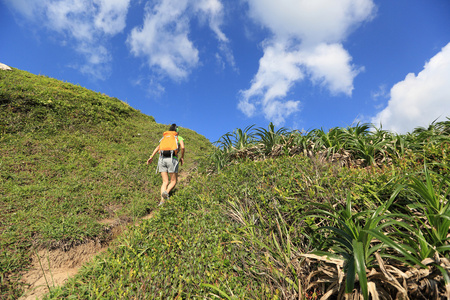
173,127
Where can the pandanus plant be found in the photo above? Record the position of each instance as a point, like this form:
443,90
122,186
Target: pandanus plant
434,206
355,248
330,141
269,138
237,140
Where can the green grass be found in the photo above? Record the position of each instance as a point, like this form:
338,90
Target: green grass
219,235
70,158
270,223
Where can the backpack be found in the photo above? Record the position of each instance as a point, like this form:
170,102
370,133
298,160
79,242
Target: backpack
168,146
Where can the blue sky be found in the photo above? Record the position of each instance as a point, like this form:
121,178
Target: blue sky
215,65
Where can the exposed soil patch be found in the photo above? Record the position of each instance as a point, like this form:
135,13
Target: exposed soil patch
54,267
51,268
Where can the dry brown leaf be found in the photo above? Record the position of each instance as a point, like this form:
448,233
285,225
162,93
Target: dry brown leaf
335,261
372,287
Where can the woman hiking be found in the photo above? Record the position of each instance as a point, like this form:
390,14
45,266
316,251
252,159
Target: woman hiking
170,147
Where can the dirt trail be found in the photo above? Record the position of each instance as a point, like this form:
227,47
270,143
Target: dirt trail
53,268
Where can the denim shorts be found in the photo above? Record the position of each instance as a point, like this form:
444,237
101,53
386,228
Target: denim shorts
168,164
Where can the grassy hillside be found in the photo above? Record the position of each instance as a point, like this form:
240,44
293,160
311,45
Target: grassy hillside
264,230
71,157
354,212
290,218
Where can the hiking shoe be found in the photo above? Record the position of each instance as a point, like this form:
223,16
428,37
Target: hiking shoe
165,195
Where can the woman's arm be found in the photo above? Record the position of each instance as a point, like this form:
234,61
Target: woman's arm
153,154
181,152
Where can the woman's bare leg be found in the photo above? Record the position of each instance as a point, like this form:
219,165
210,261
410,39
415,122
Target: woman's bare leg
173,181
165,183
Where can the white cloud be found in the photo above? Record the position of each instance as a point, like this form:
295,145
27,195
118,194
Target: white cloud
111,16
419,100
313,22
307,38
213,11
71,18
164,40
330,65
83,24
164,37
381,93
278,69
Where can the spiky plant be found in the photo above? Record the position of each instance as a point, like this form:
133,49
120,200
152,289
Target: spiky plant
354,244
330,141
269,137
435,207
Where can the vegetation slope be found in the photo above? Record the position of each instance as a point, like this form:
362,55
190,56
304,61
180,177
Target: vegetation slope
353,212
70,157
